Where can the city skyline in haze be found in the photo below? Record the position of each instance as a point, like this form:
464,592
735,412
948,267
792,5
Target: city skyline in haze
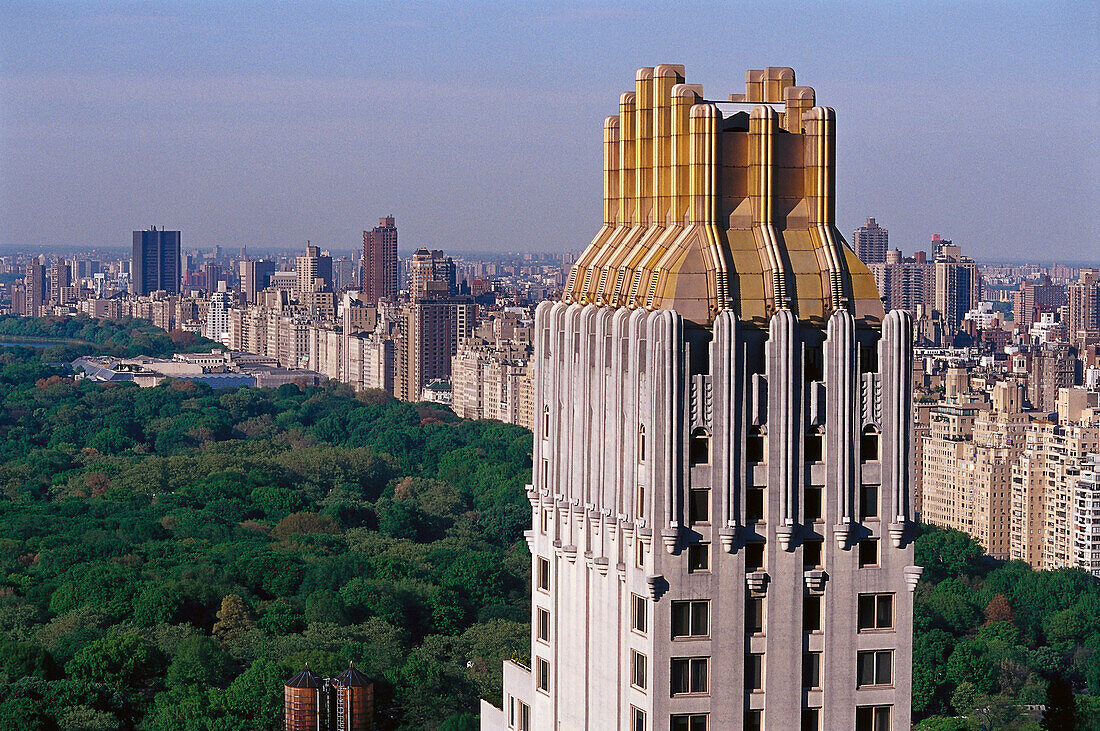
479,127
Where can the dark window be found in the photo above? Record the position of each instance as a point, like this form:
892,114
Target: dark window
868,552
754,671
637,669
699,505
868,358
811,719
875,667
754,445
641,443
754,615
815,445
868,501
811,614
811,554
812,504
754,720
754,556
754,504
637,719
813,369
542,674
639,613
868,444
699,452
873,718
544,625
811,670
691,619
544,574
698,557
690,722
690,675
876,611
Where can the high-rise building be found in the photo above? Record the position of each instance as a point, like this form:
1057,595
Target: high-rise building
906,283
1032,299
34,288
60,279
156,262
314,271
722,526
379,280
958,286
255,276
871,242
1053,367
429,330
1083,306
431,274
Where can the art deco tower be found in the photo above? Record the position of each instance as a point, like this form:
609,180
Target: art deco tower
721,513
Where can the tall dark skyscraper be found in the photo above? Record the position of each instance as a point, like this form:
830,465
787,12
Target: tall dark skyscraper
157,263
380,261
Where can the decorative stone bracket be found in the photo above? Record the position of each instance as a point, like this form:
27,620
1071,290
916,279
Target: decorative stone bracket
757,581
728,538
669,537
897,534
912,576
840,533
815,580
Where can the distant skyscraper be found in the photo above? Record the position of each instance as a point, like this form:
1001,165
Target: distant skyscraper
34,288
312,267
870,242
255,276
156,262
380,261
431,274
958,286
722,527
60,280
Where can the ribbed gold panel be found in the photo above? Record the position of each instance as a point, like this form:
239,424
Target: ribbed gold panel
713,205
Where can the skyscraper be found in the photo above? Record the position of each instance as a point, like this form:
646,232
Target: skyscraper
722,524
34,288
156,263
871,242
380,261
431,274
958,286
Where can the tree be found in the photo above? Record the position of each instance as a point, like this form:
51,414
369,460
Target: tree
124,660
999,610
1061,710
234,619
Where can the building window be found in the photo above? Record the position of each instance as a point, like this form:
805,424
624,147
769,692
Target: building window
813,368
754,556
637,670
811,614
868,444
874,667
511,712
544,574
811,719
811,504
755,445
690,722
873,718
754,615
543,625
545,422
545,513
754,671
815,445
754,720
876,611
639,509
811,670
639,554
542,675
698,558
690,675
811,554
691,619
641,443
639,614
637,719
868,552
754,504
524,716
699,505
868,501
699,449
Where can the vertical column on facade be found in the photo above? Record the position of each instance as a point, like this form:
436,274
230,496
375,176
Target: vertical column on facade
619,430
784,418
895,359
667,343
763,123
640,413
726,469
820,181
841,423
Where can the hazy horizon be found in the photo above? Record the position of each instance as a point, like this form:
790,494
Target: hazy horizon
479,126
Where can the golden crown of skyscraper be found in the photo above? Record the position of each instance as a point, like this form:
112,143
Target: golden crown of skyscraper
715,205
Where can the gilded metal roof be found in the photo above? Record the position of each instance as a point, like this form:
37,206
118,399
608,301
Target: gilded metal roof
711,206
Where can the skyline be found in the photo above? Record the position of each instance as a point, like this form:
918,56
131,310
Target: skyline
315,120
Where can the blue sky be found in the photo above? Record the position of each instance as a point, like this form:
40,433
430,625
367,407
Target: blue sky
478,125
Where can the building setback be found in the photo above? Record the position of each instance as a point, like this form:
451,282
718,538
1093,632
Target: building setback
721,530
